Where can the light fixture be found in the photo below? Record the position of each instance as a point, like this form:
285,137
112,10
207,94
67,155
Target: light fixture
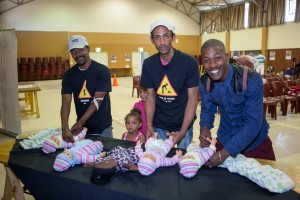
98,49
177,40
140,49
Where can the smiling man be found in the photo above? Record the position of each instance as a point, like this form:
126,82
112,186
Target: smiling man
238,93
171,78
89,82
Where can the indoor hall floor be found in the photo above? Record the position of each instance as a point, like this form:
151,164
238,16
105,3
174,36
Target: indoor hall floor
284,131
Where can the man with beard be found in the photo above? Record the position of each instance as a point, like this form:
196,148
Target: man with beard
237,92
90,84
171,78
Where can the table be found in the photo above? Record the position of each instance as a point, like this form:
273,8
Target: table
35,170
12,187
30,90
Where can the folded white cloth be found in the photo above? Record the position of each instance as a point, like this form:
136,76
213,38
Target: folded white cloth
37,140
265,176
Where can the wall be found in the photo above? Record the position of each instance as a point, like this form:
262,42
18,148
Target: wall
111,16
247,39
118,27
284,36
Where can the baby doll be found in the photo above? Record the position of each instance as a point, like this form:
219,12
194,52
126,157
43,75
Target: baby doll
265,176
56,142
195,157
117,159
155,154
37,140
84,151
133,123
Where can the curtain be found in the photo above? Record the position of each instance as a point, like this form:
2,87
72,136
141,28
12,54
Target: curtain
276,12
236,18
216,20
256,14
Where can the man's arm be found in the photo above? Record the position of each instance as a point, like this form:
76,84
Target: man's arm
64,115
150,108
77,127
189,114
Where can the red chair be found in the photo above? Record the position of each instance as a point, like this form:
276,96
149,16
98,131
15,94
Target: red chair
269,102
297,82
278,92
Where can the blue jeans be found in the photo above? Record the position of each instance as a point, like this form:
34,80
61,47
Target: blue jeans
162,134
105,133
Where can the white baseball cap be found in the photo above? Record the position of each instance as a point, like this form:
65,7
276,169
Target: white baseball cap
77,41
162,22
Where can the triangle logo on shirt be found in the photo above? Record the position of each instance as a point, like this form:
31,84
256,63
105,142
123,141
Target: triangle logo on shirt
84,93
165,88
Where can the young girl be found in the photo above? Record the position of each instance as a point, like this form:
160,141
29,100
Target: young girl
133,122
140,105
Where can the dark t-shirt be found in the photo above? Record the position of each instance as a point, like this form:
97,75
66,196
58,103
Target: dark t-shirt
83,85
171,83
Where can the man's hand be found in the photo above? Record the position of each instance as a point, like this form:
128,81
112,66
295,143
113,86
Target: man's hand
205,137
177,136
67,135
76,128
218,158
150,133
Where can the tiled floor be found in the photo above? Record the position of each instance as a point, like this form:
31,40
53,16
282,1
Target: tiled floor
284,132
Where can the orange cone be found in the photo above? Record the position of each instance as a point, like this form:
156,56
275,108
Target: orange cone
115,83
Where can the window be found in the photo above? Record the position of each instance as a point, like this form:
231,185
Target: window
246,17
290,8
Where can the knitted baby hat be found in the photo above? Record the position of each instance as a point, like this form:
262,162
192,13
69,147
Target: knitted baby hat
62,162
188,167
49,146
146,166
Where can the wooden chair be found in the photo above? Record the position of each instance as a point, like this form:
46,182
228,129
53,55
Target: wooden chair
135,85
294,104
278,92
269,102
297,82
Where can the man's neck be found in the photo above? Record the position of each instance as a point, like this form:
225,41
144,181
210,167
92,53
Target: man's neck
85,66
167,57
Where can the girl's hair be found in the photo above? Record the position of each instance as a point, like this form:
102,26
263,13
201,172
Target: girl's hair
134,113
142,88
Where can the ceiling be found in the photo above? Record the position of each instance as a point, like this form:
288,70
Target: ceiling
191,8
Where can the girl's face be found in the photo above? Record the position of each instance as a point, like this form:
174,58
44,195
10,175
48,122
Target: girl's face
132,124
143,94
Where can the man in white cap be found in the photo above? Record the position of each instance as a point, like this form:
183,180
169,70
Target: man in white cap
171,78
89,82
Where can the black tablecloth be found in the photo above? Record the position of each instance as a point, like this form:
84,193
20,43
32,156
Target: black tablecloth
35,170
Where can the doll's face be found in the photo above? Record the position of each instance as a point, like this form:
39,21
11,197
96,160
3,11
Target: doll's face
187,156
55,139
150,156
68,153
